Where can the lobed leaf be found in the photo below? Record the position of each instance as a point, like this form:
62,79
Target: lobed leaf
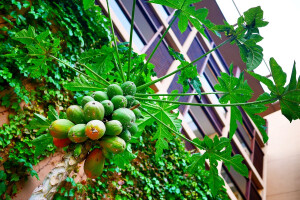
82,84
41,144
52,114
125,157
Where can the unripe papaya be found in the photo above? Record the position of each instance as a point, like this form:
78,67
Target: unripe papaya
85,100
94,164
93,110
113,144
125,116
130,100
113,90
125,135
135,102
61,142
108,107
119,101
128,88
75,114
95,129
60,128
100,96
113,127
137,113
77,133
134,129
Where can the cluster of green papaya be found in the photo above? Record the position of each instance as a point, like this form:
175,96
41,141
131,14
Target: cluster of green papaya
107,117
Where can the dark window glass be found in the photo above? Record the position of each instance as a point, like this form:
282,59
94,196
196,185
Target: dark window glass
258,160
254,195
244,134
243,143
228,179
162,60
188,145
202,119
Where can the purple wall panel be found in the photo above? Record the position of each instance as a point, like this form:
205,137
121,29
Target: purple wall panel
161,58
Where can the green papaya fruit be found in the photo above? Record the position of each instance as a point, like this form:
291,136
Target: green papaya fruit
125,116
128,88
137,113
113,90
100,96
93,110
119,101
60,128
130,100
108,107
134,129
85,100
75,114
125,135
113,127
77,133
113,144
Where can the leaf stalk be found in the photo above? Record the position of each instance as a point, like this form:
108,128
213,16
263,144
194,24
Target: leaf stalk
184,67
178,134
130,39
161,39
209,105
118,65
178,94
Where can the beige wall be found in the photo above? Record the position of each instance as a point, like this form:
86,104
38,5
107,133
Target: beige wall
283,158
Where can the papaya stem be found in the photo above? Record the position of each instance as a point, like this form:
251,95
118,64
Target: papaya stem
179,94
76,70
184,67
119,65
161,39
209,105
134,107
130,39
98,76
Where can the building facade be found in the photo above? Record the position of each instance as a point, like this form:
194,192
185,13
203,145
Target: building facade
151,21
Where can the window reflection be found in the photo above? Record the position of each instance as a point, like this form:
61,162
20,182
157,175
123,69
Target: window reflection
232,185
140,20
162,11
202,120
189,120
126,24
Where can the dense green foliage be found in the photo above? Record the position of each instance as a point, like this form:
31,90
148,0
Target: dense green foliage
65,21
37,51
148,176
24,80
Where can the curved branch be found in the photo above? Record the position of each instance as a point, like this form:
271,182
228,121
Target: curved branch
58,174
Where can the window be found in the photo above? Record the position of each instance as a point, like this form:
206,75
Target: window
142,23
190,121
232,184
202,119
163,11
126,24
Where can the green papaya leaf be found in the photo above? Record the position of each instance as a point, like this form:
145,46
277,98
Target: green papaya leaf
41,144
82,84
188,13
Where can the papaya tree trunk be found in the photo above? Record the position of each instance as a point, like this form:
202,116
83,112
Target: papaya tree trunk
58,174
